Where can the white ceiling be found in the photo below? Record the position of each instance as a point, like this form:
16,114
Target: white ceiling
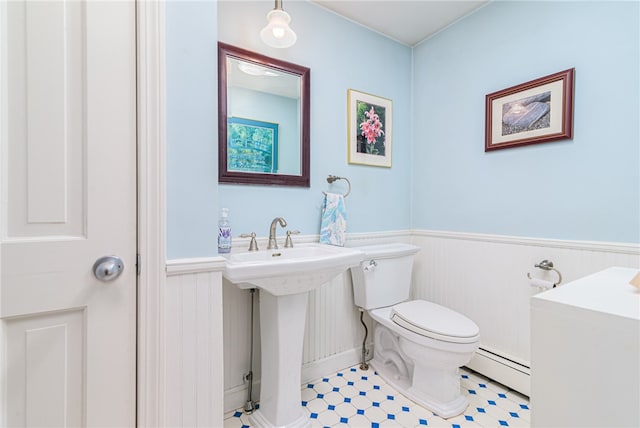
406,21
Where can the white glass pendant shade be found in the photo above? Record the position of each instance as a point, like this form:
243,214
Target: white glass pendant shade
277,33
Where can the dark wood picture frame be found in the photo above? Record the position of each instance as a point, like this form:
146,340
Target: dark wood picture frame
534,112
238,177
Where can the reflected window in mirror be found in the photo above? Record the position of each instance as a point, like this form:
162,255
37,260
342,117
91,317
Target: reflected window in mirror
263,119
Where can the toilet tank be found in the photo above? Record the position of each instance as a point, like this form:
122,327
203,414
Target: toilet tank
384,277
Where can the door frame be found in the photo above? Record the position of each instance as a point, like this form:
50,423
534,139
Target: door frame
151,217
150,58
151,121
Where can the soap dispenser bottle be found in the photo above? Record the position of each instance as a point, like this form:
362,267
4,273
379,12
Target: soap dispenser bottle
224,232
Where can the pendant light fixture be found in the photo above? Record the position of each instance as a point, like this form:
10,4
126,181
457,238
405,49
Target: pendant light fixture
277,33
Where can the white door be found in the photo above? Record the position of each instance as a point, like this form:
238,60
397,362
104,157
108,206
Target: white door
68,197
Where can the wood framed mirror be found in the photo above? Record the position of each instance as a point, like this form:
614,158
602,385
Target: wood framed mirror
263,119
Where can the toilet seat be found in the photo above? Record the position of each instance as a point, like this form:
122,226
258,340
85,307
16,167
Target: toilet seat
434,321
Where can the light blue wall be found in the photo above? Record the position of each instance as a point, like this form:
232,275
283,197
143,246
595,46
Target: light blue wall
341,55
587,188
584,189
192,128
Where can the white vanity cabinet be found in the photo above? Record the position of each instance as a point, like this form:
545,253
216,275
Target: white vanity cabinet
585,353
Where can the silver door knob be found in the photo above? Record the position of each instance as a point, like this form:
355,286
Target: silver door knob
108,268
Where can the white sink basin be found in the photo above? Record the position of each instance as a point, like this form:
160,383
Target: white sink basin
289,270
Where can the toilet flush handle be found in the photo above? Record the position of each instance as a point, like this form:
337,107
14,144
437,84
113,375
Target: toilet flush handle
371,266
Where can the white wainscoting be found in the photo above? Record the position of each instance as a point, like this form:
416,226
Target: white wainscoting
481,276
485,278
193,333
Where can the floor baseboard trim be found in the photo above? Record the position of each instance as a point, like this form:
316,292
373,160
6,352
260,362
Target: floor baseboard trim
236,397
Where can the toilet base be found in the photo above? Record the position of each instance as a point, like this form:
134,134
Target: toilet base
427,372
448,408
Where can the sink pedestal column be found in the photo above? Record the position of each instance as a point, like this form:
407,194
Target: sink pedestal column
282,323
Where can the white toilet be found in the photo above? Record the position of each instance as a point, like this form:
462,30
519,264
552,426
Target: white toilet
418,345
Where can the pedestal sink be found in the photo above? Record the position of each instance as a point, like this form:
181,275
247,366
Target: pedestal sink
285,277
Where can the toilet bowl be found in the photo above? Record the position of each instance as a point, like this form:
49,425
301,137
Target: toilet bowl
418,345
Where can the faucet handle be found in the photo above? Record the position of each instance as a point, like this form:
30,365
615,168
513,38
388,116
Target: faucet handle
253,245
288,243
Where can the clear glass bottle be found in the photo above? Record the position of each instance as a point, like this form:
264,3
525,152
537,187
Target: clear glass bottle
224,232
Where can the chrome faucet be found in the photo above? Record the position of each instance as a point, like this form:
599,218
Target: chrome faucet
273,244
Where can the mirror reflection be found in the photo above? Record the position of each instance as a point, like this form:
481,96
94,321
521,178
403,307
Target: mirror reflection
263,119
263,108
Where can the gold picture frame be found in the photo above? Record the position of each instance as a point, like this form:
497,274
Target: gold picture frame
370,129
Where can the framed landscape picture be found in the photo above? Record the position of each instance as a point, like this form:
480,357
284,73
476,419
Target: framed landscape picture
369,120
252,146
534,112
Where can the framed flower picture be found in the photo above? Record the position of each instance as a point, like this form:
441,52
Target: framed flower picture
369,122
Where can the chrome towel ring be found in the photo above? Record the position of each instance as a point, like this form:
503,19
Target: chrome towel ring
332,178
547,265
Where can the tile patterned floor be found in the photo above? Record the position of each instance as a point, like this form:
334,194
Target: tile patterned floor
355,398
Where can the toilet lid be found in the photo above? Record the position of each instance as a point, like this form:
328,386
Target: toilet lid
435,321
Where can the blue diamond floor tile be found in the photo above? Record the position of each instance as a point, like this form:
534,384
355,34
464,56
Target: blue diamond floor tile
353,408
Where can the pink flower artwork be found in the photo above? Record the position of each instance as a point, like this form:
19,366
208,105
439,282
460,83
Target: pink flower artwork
371,129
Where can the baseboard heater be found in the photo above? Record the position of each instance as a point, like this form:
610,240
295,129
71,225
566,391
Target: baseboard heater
503,369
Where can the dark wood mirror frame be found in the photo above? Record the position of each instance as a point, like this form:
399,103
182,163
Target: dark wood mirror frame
226,176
